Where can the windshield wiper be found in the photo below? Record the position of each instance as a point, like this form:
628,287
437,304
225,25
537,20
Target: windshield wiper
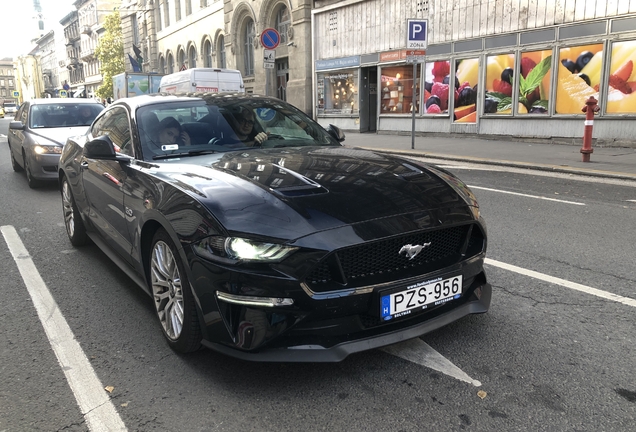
184,154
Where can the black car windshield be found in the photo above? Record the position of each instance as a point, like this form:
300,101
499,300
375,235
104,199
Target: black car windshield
193,127
57,115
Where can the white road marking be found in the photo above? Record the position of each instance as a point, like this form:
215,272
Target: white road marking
418,351
565,283
96,407
634,201
525,195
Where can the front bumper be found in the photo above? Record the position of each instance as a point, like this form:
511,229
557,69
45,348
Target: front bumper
44,166
323,328
479,303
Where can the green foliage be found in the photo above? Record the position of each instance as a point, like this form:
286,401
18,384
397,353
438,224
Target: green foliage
110,52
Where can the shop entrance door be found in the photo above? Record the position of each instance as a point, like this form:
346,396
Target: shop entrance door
368,99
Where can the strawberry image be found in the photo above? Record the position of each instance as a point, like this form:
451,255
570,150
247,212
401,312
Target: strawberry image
502,87
527,64
433,109
441,91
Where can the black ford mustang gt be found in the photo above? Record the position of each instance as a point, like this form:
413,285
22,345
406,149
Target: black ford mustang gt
257,234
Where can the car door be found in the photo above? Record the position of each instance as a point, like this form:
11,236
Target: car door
16,137
104,182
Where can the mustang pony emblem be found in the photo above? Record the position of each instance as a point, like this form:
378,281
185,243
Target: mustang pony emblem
411,251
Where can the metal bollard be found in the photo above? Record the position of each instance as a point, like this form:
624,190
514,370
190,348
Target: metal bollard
589,109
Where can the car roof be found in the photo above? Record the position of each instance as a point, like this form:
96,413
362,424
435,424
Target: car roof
145,100
61,101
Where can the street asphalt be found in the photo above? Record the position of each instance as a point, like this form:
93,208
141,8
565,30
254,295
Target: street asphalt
610,162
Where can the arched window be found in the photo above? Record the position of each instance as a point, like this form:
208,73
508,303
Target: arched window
180,59
162,65
283,22
207,54
221,50
192,57
248,57
170,63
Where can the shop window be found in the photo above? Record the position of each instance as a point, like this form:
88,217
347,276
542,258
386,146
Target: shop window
436,88
621,98
337,92
464,90
534,82
499,81
579,77
397,90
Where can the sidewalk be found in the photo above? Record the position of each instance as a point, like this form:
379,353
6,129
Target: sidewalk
610,162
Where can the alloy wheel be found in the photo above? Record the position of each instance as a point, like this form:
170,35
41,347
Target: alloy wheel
167,290
67,205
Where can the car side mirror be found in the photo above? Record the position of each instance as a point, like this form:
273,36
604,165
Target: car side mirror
336,132
16,125
100,148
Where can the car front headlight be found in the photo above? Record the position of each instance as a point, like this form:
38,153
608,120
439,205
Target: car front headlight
42,149
231,249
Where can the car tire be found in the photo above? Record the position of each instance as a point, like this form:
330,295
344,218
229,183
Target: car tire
172,295
14,163
73,222
33,183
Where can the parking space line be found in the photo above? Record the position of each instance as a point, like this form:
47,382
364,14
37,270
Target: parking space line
565,283
96,407
526,195
418,351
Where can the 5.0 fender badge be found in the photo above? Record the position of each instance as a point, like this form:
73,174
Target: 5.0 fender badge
411,251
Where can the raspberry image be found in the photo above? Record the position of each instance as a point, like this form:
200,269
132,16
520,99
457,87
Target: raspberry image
433,109
441,91
441,69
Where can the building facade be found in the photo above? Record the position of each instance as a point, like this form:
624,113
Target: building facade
179,34
519,68
75,68
46,51
7,81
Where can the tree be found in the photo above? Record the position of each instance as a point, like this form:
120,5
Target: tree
110,52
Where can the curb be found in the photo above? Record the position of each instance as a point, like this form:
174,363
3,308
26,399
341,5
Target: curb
513,164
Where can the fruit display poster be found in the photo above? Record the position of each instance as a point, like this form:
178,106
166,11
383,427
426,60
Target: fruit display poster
436,88
621,98
533,88
579,77
465,90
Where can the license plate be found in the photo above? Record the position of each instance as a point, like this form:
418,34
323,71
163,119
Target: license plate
420,296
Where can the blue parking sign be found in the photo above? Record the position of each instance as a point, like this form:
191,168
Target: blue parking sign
416,37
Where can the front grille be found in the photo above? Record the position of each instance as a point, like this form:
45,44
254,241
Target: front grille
380,260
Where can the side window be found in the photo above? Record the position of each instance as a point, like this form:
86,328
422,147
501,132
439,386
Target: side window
115,124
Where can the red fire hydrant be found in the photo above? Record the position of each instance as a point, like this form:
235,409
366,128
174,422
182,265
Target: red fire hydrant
589,109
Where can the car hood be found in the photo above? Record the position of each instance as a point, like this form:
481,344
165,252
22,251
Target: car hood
293,192
58,135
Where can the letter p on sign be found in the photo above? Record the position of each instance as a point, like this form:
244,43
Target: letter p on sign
416,37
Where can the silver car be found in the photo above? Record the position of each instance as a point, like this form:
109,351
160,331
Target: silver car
39,131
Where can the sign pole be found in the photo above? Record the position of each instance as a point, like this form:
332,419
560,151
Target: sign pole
270,38
416,40
414,104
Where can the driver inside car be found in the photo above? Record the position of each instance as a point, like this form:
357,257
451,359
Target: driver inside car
244,128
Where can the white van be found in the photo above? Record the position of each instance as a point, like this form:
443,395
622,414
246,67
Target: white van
203,80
